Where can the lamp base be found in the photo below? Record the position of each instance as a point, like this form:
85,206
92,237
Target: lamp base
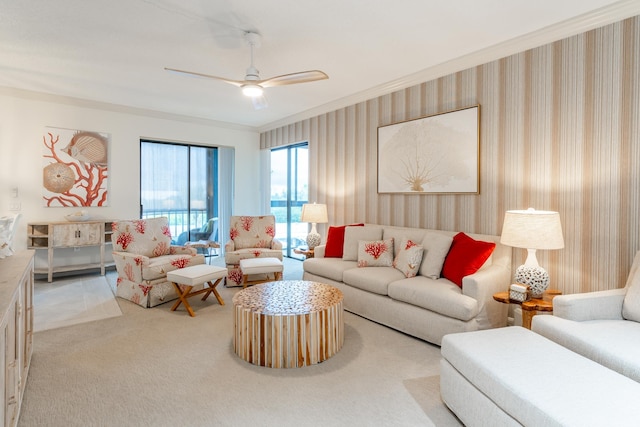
313,240
536,278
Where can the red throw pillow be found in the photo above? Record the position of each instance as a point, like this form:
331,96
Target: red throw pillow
335,241
465,257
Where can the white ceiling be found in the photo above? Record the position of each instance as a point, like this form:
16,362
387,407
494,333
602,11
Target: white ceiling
114,51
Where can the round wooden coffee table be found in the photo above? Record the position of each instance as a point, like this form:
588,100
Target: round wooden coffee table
288,323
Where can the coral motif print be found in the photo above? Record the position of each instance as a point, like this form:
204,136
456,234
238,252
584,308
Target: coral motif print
145,289
362,263
161,249
166,231
124,240
141,225
138,260
128,271
247,222
233,233
270,230
235,275
135,298
180,262
118,281
257,254
375,249
114,226
410,244
262,244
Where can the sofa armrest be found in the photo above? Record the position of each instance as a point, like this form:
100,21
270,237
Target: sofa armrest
230,246
599,305
276,245
129,266
481,286
318,251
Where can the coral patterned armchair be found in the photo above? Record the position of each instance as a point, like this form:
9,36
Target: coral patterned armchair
250,237
143,255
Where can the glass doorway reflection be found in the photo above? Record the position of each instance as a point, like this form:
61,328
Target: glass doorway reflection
289,191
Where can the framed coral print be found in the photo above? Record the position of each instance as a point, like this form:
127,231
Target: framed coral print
75,167
437,154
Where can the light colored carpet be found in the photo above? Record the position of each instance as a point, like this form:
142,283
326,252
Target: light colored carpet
154,367
71,301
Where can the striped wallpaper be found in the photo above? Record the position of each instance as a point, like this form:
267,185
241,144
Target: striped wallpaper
559,130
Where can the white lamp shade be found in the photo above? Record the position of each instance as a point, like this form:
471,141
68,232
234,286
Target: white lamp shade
532,229
315,213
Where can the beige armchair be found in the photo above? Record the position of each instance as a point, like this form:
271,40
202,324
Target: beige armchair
143,255
250,237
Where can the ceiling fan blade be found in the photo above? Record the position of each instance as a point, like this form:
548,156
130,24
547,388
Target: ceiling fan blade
206,76
293,78
259,102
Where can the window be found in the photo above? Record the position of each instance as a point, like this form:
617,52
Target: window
289,191
180,182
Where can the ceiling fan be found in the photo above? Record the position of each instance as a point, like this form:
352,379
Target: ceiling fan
252,86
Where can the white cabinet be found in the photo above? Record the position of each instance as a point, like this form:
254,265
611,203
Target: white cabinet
16,331
50,236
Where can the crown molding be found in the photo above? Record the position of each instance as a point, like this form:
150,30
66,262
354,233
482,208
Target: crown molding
580,24
117,108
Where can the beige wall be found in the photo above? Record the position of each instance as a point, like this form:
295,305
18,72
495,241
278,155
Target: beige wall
560,130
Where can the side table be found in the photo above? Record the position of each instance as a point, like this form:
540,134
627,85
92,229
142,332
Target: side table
204,244
532,306
308,253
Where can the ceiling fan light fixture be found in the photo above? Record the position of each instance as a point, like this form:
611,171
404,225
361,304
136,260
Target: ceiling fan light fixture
252,90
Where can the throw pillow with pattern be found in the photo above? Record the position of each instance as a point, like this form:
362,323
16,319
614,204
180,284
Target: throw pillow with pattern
409,257
375,253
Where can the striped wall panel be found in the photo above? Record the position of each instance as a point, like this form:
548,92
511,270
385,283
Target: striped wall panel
560,130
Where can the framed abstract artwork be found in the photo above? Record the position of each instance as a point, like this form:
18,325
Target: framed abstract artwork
437,154
75,168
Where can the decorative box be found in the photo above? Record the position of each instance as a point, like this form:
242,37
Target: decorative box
519,292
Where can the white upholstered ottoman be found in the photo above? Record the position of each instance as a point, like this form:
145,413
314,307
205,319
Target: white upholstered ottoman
184,280
512,376
263,266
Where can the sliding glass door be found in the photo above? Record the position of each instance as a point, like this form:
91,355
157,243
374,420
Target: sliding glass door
179,182
289,191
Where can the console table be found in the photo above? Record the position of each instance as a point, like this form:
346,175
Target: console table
50,236
16,332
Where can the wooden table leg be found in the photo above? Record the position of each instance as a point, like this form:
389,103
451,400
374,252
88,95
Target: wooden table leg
212,289
527,315
183,298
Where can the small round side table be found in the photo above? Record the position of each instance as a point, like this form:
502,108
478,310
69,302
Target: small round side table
532,306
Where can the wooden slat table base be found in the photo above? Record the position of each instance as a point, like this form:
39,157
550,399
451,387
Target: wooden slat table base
304,331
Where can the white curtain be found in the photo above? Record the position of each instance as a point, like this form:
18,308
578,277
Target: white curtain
265,181
226,189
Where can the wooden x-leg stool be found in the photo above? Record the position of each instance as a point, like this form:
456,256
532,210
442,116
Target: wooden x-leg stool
185,279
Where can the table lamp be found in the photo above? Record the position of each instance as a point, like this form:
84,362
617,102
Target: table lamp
531,229
315,213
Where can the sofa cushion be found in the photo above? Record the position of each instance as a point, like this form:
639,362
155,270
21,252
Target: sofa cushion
331,268
372,279
436,247
399,233
440,296
159,266
377,253
465,257
611,343
335,240
352,235
150,237
234,257
409,257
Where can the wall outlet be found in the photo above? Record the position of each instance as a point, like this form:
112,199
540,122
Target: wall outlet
14,206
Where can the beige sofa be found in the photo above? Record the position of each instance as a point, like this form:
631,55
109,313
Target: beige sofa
426,306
